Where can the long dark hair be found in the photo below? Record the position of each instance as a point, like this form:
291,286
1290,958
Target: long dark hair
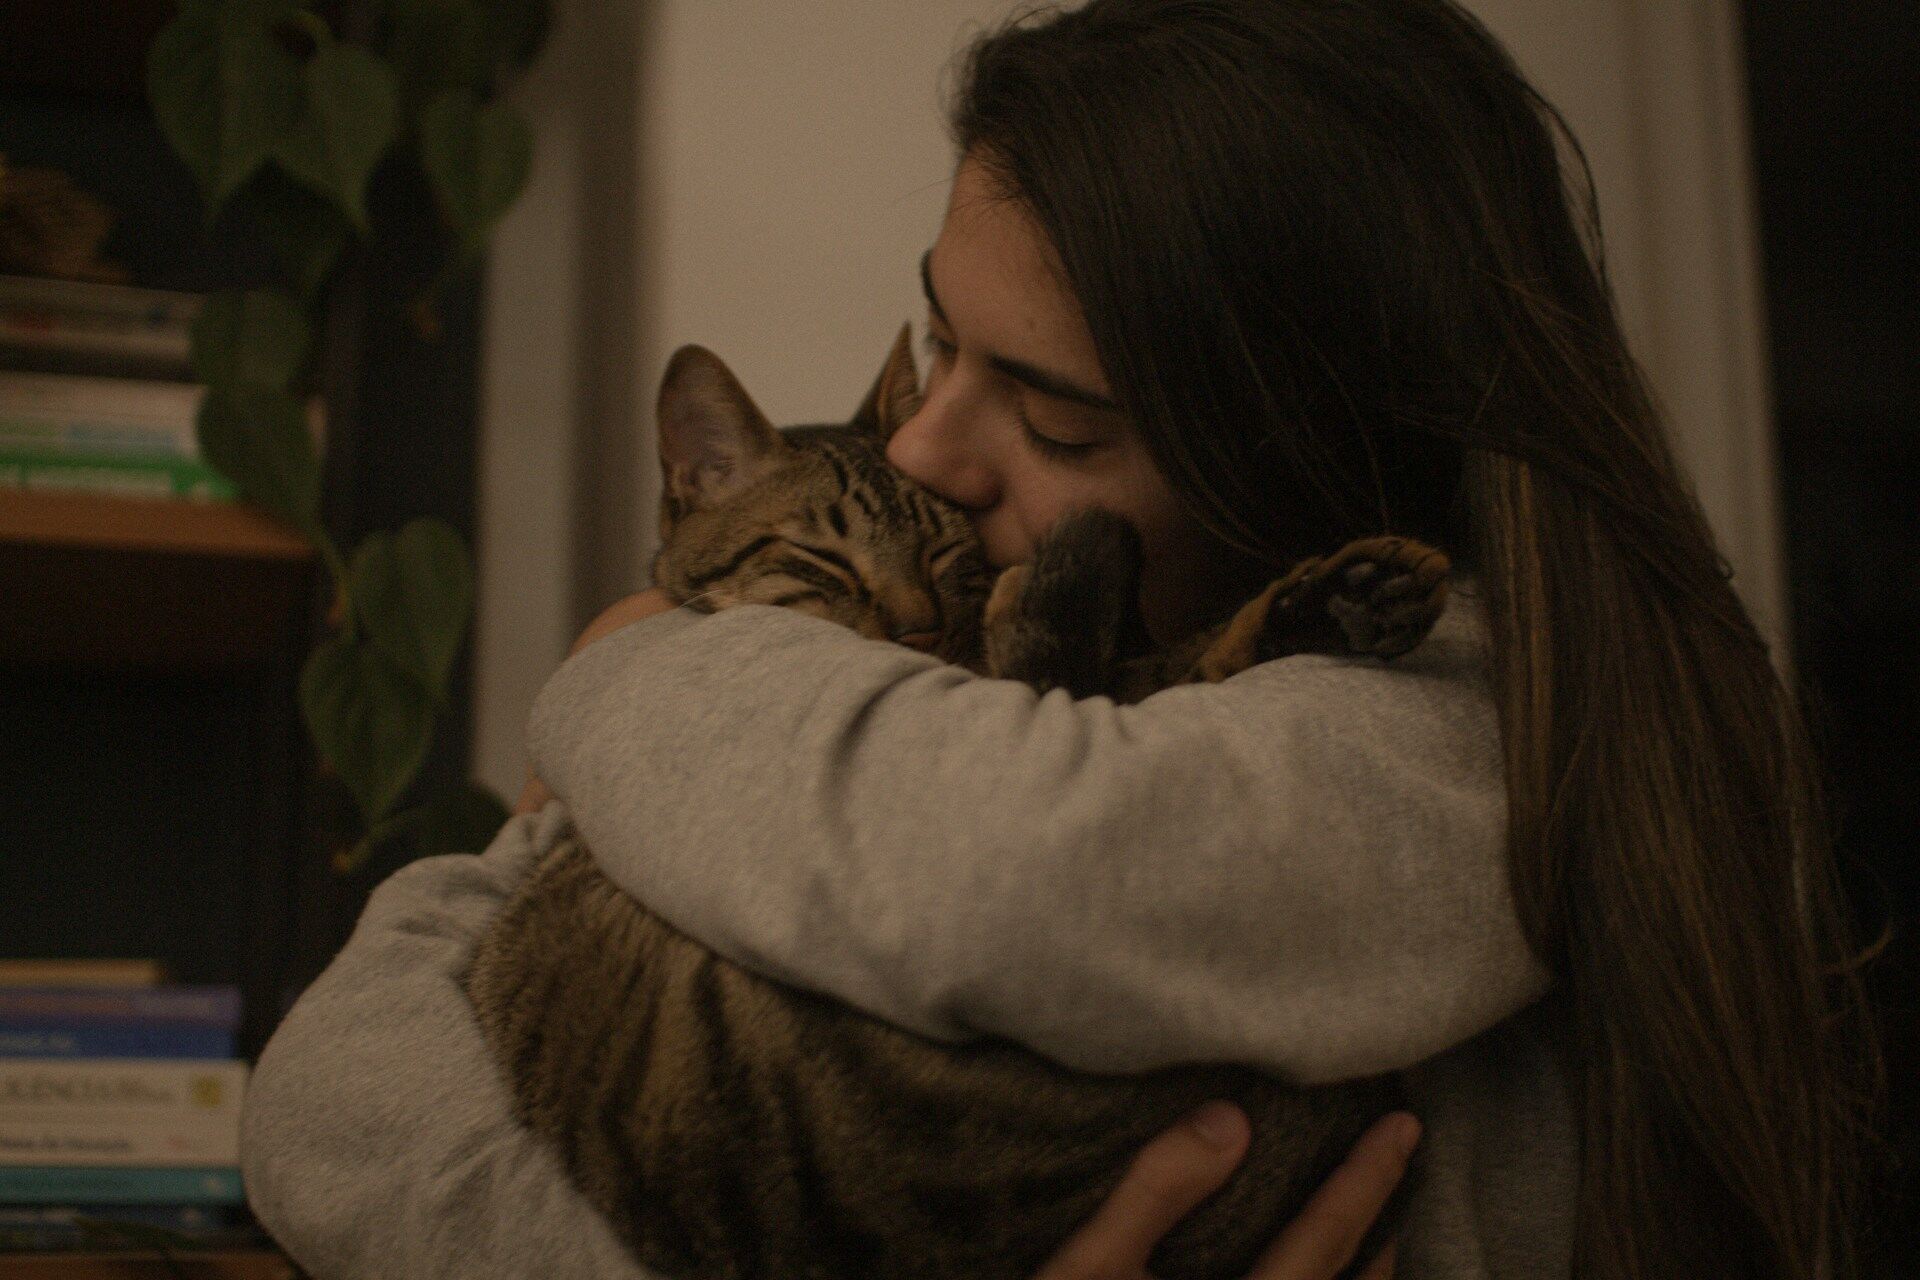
1327,253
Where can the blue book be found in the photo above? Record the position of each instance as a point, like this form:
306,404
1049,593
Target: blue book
121,1227
80,1039
168,1217
210,1006
84,1184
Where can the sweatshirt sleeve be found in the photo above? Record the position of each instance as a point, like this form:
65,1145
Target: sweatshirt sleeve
377,1139
1301,868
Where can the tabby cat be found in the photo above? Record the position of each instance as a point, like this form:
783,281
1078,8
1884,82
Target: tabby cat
733,1128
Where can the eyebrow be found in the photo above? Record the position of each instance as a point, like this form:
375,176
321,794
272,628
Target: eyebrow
1051,384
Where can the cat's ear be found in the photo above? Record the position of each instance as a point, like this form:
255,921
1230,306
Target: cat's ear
895,395
713,440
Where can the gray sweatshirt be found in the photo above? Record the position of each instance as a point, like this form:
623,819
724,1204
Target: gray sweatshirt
1301,868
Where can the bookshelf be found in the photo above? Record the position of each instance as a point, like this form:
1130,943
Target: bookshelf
104,523
143,583
163,801
150,649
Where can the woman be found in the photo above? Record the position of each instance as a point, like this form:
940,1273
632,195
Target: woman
1262,276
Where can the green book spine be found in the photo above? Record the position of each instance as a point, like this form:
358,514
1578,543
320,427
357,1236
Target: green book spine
130,475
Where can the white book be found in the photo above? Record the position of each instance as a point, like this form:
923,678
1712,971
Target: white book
61,399
81,327
111,340
85,297
77,414
124,1113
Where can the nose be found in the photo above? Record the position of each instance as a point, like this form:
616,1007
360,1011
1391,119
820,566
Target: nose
909,616
936,448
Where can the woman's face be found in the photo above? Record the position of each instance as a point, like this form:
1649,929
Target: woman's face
1018,425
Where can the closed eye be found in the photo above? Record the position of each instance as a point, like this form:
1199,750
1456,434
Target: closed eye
942,557
817,576
833,558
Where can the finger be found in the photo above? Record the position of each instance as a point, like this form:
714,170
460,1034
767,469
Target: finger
1325,1235
1172,1174
1381,1268
533,797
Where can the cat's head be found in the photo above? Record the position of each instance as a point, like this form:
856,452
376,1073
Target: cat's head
812,518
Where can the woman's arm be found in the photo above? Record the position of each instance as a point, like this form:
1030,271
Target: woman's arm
379,1142
622,612
377,1137
1302,868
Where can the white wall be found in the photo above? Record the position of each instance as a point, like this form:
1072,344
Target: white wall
760,177
559,421
1655,91
785,165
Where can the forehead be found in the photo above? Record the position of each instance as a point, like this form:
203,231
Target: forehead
1000,283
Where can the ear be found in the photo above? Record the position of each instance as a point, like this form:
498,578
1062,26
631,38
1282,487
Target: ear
713,440
895,395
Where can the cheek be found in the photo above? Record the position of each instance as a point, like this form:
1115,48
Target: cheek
1168,536
1136,491
1032,501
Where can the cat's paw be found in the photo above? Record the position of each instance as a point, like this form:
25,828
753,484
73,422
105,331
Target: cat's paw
1004,600
1059,620
1375,596
1385,594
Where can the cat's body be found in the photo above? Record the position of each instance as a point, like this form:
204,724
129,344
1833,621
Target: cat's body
732,1127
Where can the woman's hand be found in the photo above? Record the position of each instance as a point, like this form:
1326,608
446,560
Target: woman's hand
645,604
1189,1162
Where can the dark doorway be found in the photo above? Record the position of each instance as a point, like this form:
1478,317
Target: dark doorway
1835,92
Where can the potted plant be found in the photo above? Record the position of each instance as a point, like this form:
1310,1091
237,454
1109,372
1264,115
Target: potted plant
292,106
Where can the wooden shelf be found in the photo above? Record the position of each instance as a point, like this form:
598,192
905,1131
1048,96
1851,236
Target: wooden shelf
126,582
112,523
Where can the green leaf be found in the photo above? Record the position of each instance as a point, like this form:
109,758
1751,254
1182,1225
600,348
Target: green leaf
223,89
414,592
369,720
303,230
437,46
463,820
347,120
477,161
259,338
307,235
516,31
257,437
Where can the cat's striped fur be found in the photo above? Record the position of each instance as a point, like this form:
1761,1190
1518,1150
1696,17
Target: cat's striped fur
731,1127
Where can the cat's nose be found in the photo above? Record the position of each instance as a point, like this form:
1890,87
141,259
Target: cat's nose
910,617
921,640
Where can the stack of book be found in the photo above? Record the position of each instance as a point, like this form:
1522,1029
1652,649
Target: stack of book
73,326
128,436
96,391
119,1116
